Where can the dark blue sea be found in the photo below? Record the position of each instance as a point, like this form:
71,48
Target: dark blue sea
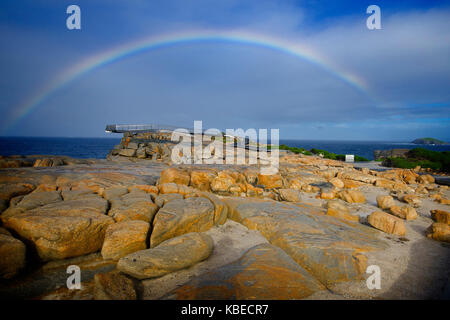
72,147
99,147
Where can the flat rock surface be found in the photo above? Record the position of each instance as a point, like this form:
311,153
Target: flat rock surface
231,241
248,279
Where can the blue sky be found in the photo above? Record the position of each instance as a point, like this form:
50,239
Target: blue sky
405,66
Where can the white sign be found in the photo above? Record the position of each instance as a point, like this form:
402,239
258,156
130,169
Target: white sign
349,158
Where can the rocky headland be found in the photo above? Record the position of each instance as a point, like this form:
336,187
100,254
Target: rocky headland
140,227
429,141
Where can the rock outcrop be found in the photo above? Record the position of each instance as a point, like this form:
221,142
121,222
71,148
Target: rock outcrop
297,229
155,222
124,238
439,231
440,216
387,223
248,279
385,202
12,253
63,229
404,212
382,154
182,216
171,255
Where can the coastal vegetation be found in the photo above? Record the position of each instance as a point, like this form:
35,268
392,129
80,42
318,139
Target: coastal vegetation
435,160
326,154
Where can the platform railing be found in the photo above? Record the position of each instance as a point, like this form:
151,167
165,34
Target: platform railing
121,128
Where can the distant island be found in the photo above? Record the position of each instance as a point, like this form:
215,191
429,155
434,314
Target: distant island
429,141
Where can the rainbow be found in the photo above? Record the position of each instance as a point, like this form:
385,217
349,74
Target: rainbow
154,42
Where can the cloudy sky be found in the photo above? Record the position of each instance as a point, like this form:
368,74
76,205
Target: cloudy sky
403,70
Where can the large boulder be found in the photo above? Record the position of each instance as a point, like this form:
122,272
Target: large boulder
174,175
220,207
409,176
290,195
385,202
124,238
222,182
352,196
171,255
440,216
31,201
404,212
425,179
264,272
182,216
201,179
387,223
136,205
12,253
127,152
63,229
439,231
385,183
412,200
270,181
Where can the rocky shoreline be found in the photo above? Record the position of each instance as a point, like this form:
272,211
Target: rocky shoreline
140,227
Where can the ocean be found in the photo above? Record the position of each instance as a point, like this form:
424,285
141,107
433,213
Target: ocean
99,147
72,147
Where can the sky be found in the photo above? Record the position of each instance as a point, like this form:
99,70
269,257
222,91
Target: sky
391,84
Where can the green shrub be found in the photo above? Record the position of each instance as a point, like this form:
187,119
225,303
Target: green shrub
358,158
333,156
411,163
326,154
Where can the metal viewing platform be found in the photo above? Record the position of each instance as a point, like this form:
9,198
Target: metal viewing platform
134,128
137,128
